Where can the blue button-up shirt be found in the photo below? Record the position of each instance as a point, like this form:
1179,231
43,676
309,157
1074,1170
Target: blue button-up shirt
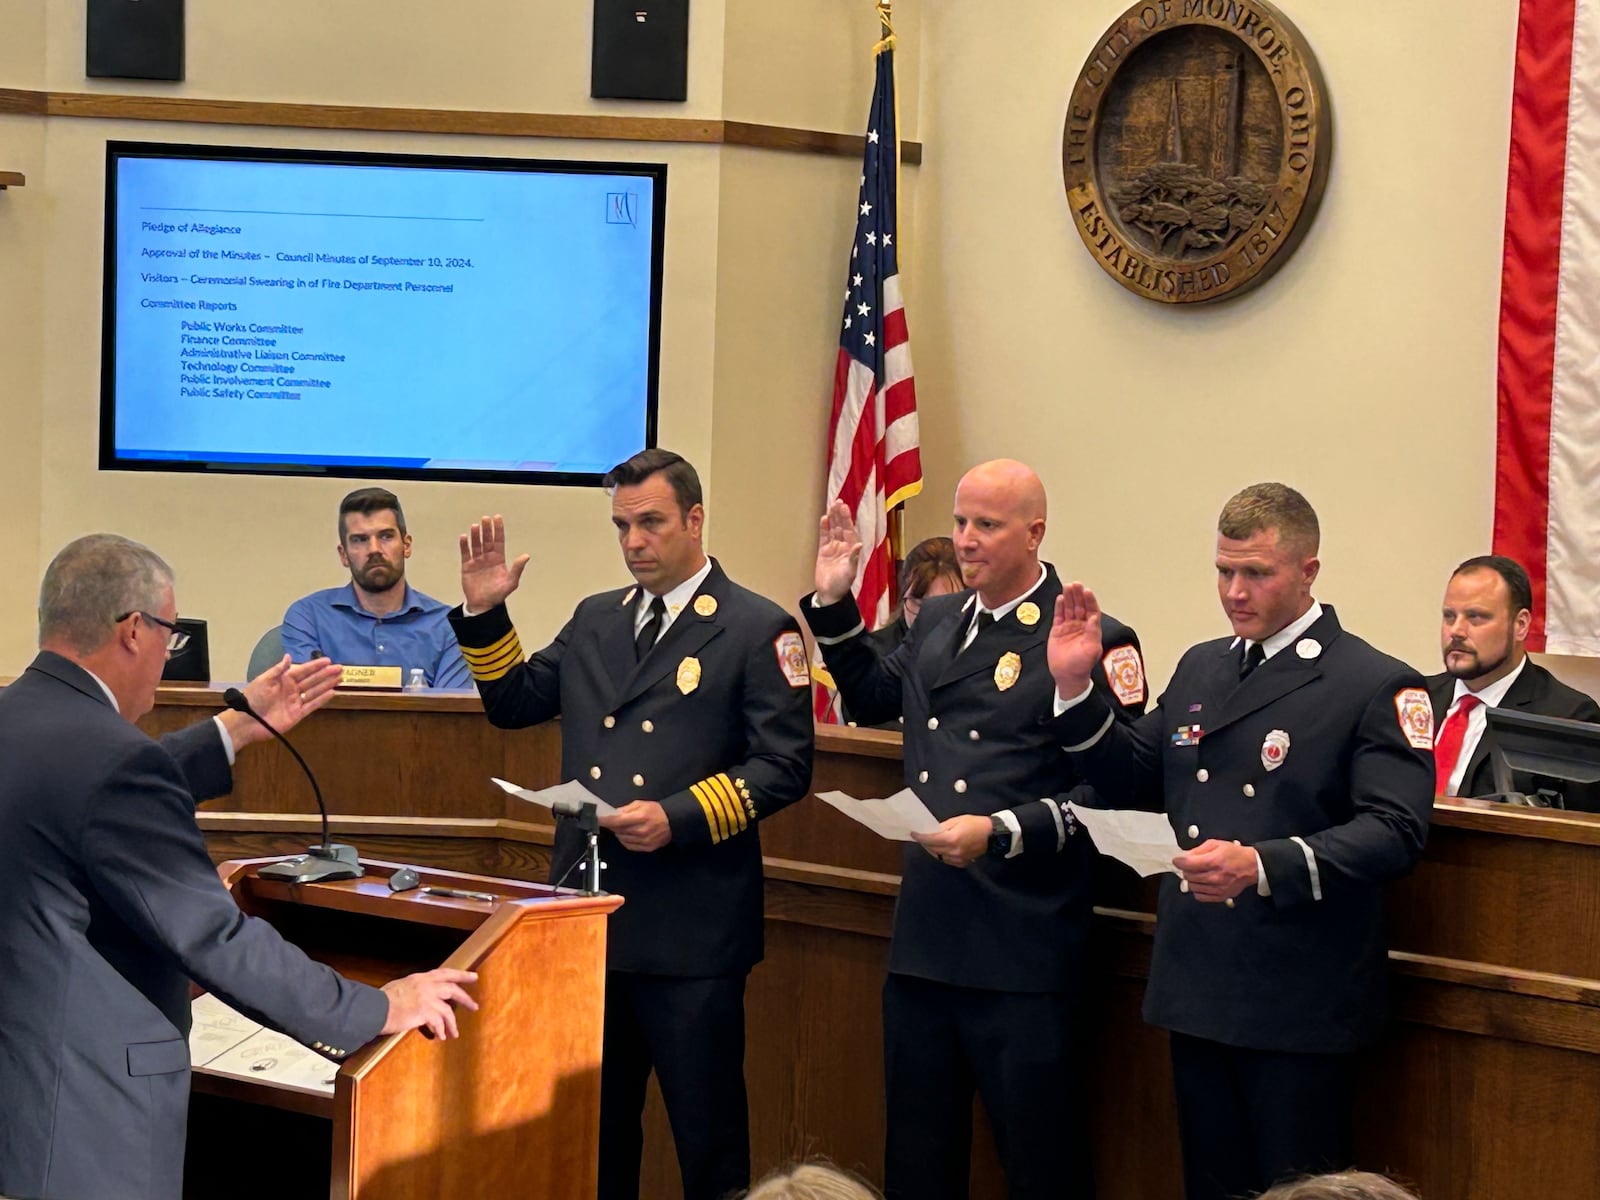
418,634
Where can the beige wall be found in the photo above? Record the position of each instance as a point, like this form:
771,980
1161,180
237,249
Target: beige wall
1363,373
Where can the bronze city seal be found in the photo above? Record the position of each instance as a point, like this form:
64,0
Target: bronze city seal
1196,147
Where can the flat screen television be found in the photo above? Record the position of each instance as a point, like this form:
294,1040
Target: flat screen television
366,315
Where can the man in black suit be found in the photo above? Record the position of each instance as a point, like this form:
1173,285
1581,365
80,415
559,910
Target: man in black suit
109,904
684,702
1295,764
1488,606
985,983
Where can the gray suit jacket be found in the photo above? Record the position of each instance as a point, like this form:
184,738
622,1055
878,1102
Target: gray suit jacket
109,906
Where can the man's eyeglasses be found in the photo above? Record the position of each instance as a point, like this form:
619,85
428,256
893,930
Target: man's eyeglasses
177,639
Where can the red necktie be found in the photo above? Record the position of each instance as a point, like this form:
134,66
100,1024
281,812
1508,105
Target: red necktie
1447,746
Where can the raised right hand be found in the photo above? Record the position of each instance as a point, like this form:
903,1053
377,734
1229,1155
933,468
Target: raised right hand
1074,646
838,554
425,999
486,578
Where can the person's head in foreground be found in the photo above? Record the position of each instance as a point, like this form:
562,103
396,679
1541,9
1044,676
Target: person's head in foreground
1345,1185
811,1181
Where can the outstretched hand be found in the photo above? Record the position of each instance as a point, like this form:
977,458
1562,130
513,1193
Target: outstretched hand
486,578
1074,646
284,695
838,554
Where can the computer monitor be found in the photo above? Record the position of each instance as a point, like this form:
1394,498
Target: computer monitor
193,663
1530,754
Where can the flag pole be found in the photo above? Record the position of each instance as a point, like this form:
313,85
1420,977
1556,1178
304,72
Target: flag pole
895,517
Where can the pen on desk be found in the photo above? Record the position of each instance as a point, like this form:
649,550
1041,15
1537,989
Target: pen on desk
458,894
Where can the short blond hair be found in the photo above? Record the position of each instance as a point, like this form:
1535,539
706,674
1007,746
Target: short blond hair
811,1181
1263,506
1346,1185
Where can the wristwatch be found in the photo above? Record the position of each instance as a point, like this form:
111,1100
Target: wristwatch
999,837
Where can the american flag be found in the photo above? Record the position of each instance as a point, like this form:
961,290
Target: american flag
873,459
1547,508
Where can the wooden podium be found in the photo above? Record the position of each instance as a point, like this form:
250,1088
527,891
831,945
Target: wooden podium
511,1108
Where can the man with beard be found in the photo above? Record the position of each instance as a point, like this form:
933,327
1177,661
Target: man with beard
377,619
1488,607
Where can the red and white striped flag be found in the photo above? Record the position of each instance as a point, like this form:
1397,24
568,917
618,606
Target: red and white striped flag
1547,461
874,462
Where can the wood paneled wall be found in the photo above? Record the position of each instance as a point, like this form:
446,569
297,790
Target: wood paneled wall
1487,1086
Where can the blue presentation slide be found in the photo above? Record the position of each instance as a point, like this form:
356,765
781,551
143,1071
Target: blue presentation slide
381,315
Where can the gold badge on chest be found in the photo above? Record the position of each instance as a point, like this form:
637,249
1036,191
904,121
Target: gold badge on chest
688,675
1028,613
705,605
1007,671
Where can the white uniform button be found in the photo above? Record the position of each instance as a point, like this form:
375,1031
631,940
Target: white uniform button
1194,831
638,781
974,735
961,785
933,722
648,726
594,772
1249,789
609,722
922,777
1202,774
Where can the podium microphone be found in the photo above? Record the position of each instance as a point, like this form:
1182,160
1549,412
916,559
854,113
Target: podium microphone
326,862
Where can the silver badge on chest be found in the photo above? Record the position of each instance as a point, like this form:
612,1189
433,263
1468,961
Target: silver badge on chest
1275,749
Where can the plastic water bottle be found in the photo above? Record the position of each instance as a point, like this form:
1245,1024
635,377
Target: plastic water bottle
415,682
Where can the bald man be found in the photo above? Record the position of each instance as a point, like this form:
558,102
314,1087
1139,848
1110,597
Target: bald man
986,961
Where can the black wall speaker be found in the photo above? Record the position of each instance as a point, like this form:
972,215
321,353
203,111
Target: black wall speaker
135,39
641,50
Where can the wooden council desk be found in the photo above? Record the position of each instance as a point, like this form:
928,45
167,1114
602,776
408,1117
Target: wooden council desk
1487,1086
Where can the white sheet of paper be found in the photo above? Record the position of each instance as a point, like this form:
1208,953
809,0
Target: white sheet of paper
571,790
217,1028
895,817
1143,840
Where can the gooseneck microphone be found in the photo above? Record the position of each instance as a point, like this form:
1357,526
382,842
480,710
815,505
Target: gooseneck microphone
328,861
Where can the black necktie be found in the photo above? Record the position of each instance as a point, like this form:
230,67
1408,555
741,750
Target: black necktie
651,629
1253,658
985,619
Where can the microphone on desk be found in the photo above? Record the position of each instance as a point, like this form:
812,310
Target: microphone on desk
587,814
329,861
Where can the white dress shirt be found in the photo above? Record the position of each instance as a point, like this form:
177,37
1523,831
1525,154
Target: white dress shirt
674,600
1477,720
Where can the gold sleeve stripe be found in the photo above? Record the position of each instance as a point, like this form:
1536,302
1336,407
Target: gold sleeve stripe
496,668
723,787
713,813
493,650
509,657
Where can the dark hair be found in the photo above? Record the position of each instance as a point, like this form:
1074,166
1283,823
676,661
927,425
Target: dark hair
368,501
931,559
1510,570
683,478
1271,506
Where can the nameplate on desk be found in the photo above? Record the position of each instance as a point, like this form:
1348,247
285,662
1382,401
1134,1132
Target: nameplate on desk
371,677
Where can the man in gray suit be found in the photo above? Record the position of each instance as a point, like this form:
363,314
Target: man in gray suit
109,904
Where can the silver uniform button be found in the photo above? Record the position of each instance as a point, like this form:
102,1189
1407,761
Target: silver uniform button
1249,789
1202,774
922,777
648,726
594,772
1194,831
933,722
960,785
609,722
638,781
974,735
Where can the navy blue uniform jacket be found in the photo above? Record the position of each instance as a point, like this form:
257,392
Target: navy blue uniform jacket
1345,810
